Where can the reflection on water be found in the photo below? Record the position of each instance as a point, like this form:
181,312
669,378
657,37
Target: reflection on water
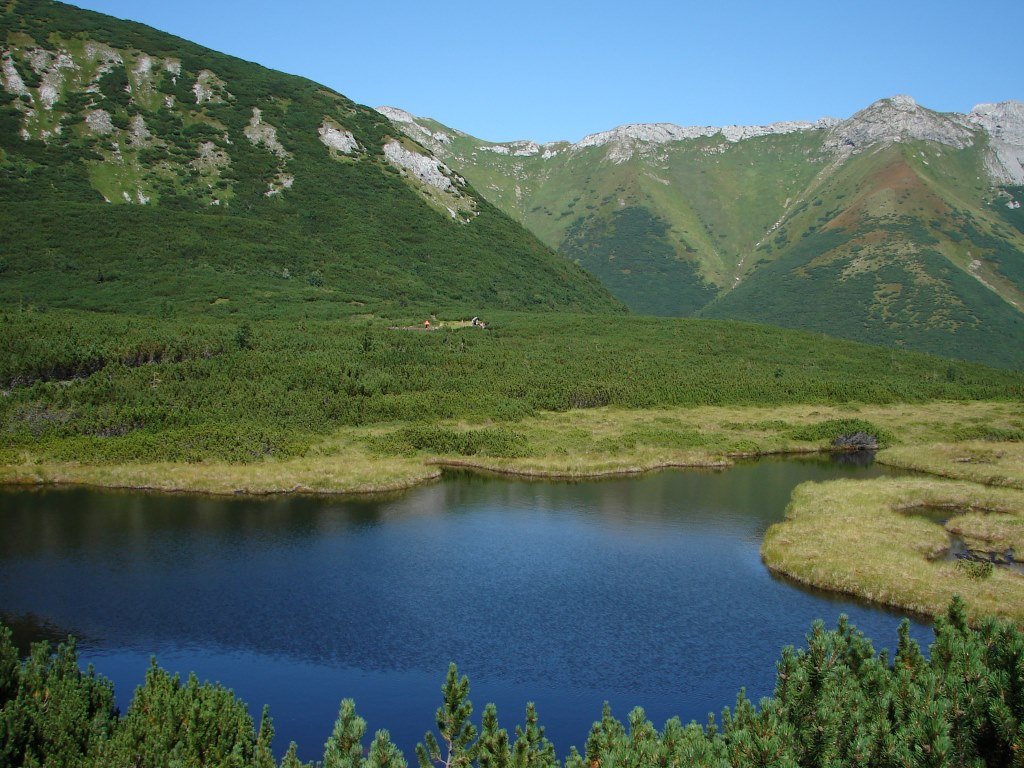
641,591
28,628
853,458
1000,558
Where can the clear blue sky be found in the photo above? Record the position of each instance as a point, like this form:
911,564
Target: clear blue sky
560,70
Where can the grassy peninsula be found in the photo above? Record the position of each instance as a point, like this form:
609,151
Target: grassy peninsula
989,462
889,540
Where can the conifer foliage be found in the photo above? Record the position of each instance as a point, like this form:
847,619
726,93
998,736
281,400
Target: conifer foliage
836,703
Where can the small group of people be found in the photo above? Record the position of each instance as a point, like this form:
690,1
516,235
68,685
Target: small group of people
476,323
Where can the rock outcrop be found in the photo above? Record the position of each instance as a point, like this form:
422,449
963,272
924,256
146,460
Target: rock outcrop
1004,123
99,122
625,140
427,169
434,140
337,138
209,89
262,134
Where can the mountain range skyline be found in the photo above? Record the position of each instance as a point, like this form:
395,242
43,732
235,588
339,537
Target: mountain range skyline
662,132
563,72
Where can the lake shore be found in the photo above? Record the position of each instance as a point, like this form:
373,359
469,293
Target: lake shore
889,541
577,444
986,462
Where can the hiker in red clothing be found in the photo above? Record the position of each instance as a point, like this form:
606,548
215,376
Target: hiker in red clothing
426,325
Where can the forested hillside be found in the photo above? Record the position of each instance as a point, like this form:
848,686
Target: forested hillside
142,173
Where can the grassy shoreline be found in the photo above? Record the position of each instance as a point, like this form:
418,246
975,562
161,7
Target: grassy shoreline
573,444
872,539
985,462
880,540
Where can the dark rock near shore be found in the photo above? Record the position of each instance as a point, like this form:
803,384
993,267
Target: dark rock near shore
858,441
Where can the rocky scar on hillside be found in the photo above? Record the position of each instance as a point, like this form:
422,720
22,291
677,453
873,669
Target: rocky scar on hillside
153,128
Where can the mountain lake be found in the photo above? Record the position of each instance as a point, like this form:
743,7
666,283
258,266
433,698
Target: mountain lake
640,591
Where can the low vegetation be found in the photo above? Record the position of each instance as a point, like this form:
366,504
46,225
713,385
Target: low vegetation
910,244
575,443
836,702
271,403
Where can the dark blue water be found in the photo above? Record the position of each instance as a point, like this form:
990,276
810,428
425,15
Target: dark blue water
642,591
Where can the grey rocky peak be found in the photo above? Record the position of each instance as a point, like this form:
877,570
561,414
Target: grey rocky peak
625,140
654,133
1004,123
895,119
514,148
396,115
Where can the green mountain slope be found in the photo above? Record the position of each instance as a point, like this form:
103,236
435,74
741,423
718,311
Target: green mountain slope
895,251
898,226
141,172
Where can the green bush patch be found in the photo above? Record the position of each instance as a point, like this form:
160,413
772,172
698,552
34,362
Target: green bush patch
498,442
975,569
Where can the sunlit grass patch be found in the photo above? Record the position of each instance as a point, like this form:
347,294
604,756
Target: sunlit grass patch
348,471
992,463
873,539
574,443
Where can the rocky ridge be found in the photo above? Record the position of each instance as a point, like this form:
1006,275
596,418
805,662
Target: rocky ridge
410,125
626,139
886,121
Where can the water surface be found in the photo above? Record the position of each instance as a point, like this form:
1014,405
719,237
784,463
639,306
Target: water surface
640,591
